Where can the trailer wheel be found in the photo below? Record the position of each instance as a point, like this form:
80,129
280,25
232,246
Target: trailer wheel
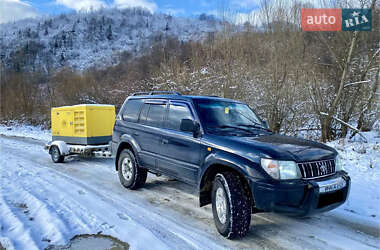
130,174
56,155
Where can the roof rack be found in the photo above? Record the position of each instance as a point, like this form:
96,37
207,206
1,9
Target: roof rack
157,93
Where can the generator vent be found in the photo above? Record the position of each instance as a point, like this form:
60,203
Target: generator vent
79,125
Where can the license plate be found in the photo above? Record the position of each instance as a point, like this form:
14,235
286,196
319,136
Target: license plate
331,185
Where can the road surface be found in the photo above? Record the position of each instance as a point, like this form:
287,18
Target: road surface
42,203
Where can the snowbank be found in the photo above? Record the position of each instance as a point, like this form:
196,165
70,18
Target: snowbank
26,131
362,162
44,204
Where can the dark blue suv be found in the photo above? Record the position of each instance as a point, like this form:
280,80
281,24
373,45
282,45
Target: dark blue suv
222,148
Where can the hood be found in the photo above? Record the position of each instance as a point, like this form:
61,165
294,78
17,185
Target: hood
282,147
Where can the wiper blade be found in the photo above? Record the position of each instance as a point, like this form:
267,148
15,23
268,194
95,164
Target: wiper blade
255,126
234,127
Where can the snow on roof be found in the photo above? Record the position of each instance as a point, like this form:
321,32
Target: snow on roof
87,105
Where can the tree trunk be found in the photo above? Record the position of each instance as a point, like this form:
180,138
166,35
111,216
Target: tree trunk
354,100
361,121
326,124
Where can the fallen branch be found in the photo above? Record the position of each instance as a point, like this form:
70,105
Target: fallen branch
346,124
304,129
353,83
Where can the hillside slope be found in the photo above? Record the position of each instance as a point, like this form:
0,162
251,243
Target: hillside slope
95,39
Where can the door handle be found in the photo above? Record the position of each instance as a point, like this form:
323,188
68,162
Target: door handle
165,141
136,134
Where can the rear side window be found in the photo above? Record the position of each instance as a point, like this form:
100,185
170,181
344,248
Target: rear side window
144,113
155,115
176,114
132,110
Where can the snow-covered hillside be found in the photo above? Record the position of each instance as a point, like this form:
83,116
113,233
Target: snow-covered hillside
94,39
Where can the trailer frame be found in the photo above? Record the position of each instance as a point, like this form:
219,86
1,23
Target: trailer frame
67,149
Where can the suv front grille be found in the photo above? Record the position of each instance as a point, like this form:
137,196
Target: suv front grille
315,169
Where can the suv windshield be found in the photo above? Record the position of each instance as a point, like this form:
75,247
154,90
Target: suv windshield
223,116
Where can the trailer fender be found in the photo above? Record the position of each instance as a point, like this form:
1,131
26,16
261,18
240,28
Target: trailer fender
63,148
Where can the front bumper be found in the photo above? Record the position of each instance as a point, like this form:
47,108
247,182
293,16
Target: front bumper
298,197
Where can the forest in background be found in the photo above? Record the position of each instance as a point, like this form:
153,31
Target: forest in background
300,82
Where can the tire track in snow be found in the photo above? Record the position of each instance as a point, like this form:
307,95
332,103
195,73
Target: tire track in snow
174,237
154,227
175,234
14,228
66,209
288,230
53,221
268,230
38,213
264,243
322,233
75,204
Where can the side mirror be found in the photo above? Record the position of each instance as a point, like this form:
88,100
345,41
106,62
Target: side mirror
265,123
188,125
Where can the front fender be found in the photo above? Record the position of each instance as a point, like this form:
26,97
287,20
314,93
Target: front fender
238,163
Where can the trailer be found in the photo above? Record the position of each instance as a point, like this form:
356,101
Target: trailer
84,130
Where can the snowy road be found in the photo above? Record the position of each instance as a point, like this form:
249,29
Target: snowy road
42,203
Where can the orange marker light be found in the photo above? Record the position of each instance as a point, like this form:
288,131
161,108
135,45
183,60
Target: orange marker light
209,149
272,165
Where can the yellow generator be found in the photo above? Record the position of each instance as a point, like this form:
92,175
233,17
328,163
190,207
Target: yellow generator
87,124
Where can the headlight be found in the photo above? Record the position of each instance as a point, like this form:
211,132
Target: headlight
338,163
284,170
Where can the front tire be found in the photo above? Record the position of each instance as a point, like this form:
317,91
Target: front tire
130,174
231,206
56,155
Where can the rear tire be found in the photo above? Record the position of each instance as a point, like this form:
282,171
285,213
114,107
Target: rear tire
130,174
231,206
56,155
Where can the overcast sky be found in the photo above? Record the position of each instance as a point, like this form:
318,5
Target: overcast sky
11,10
